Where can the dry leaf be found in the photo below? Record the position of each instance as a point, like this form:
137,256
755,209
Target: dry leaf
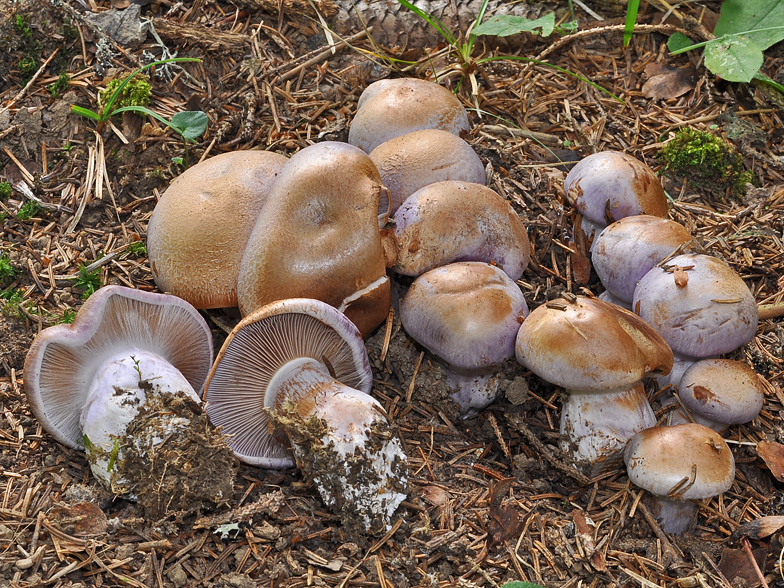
758,528
773,456
668,82
83,518
504,522
584,530
681,277
581,265
737,568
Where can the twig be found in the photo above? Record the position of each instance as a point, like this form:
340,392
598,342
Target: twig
771,311
32,81
760,575
557,462
323,55
669,550
25,191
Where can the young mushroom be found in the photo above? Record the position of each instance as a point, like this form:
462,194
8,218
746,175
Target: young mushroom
318,237
453,221
300,366
599,353
468,315
609,185
393,107
198,230
125,351
677,465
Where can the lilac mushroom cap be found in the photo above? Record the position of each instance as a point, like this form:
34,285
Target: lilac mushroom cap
453,221
722,392
708,310
628,249
609,185
677,465
414,160
467,314
63,360
393,107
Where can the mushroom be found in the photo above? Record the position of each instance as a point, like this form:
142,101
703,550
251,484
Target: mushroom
677,465
198,230
394,107
459,221
468,315
599,352
86,382
721,392
301,366
699,305
629,248
609,185
318,237
414,160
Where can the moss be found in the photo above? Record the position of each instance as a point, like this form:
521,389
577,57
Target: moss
60,86
135,93
29,210
5,191
707,160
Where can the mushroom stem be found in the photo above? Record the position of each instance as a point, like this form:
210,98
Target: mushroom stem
341,438
674,516
473,390
771,311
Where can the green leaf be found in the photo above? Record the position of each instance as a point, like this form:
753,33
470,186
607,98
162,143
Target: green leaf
768,82
734,58
432,20
85,112
678,41
503,25
191,124
754,16
631,20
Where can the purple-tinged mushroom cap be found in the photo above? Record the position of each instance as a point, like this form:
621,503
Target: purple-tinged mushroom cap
467,314
414,160
451,221
390,108
722,392
627,250
699,305
609,185
63,360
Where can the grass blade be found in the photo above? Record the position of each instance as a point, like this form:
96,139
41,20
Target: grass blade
431,20
631,20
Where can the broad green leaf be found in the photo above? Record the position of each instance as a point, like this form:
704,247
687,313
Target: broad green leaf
734,58
191,124
503,25
678,41
764,19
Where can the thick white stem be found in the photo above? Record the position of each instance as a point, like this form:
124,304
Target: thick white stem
674,516
473,390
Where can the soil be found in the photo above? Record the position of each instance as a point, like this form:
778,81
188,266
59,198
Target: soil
491,499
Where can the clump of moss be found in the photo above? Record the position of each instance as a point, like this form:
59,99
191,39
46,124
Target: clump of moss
135,93
60,86
5,191
707,160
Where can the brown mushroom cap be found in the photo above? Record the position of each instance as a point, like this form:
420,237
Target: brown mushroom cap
452,221
660,458
318,236
390,108
199,228
414,160
63,360
588,344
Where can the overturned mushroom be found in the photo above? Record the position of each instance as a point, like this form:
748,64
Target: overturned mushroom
318,237
301,365
393,107
199,228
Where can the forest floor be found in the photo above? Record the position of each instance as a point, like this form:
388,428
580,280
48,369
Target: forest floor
492,500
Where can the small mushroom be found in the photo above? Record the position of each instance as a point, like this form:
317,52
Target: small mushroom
394,107
609,185
721,392
468,315
453,221
300,366
677,465
414,160
629,248
318,237
85,382
599,352
198,230
699,305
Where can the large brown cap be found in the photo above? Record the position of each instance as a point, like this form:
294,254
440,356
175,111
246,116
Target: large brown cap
199,228
262,344
588,344
414,160
459,221
659,459
610,185
390,108
62,361
318,236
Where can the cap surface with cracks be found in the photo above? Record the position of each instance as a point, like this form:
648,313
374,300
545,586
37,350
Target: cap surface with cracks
393,107
258,347
63,360
199,228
